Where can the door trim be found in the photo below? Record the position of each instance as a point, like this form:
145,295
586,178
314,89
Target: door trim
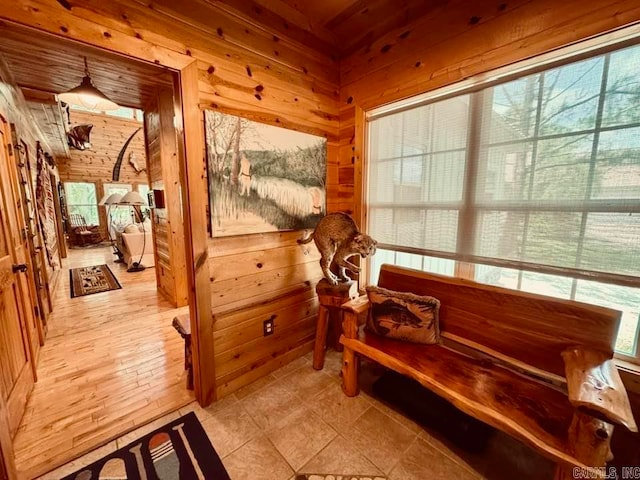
188,122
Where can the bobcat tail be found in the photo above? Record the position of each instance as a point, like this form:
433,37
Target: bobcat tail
302,241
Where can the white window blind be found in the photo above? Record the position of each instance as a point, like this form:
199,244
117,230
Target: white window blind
540,173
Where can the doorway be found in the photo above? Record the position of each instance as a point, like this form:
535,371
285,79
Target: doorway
110,361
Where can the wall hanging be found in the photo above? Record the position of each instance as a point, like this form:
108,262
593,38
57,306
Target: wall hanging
116,168
262,178
46,206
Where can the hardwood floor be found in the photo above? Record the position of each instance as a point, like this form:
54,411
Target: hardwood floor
111,362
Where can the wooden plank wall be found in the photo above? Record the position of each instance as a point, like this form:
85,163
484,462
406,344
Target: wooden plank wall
95,165
13,104
251,71
164,273
164,175
255,278
247,69
459,39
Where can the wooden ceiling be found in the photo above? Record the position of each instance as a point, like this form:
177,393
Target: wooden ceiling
43,65
47,113
346,25
52,64
336,29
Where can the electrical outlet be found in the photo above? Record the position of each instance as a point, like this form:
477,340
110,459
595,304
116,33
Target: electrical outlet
267,327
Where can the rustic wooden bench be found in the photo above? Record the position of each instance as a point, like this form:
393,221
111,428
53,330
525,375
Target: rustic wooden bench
535,367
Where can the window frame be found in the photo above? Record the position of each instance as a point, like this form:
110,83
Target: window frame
474,86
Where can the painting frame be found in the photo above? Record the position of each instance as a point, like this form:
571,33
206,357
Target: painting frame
262,178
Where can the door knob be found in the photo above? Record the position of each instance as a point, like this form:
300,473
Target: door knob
20,267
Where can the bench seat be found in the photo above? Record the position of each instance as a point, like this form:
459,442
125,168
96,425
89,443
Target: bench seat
537,368
527,409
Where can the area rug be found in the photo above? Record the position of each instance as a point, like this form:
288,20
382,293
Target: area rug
90,280
180,450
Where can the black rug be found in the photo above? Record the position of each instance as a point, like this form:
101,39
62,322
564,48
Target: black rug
180,450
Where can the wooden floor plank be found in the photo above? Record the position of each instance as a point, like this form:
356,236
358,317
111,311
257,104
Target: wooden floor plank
111,362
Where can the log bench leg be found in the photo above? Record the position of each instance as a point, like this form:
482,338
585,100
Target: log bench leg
350,360
350,373
590,442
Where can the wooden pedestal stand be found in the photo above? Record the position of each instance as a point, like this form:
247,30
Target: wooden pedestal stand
331,297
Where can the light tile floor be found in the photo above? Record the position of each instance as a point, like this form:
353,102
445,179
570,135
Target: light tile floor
297,420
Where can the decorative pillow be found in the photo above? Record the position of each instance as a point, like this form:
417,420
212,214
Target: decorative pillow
131,228
404,316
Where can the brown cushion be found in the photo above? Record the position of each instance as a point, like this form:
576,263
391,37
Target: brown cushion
404,316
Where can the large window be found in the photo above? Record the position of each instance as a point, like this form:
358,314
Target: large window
123,112
81,199
120,215
538,177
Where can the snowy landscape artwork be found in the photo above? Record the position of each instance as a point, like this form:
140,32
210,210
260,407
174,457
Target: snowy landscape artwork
262,178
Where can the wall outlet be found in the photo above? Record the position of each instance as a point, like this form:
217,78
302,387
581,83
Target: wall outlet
267,327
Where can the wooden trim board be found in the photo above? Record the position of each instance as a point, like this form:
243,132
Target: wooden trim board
195,201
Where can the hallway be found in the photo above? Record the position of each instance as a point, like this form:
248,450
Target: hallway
111,362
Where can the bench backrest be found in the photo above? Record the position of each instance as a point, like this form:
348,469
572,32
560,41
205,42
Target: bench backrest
533,329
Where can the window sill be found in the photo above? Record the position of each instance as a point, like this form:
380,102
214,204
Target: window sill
627,366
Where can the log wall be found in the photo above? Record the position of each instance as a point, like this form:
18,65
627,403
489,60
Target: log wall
247,70
14,106
459,39
168,221
95,165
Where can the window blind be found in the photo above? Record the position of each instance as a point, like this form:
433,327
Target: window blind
541,172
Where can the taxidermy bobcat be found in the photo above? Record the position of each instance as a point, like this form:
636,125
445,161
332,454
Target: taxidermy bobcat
337,238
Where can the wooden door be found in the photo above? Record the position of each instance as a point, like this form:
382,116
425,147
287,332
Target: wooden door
16,369
7,463
17,210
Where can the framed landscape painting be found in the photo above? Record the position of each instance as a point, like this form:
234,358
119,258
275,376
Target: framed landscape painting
262,178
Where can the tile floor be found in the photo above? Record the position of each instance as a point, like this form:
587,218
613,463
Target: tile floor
297,420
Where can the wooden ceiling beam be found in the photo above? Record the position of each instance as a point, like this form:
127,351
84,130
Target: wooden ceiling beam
39,96
125,103
261,16
58,137
52,65
347,14
201,21
294,16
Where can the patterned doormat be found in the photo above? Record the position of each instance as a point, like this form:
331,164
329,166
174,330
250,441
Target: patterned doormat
180,450
94,279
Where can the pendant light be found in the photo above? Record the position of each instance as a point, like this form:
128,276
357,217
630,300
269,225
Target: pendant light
88,96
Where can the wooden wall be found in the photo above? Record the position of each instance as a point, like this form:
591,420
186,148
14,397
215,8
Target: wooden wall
456,40
255,72
261,75
168,221
95,165
13,105
255,278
